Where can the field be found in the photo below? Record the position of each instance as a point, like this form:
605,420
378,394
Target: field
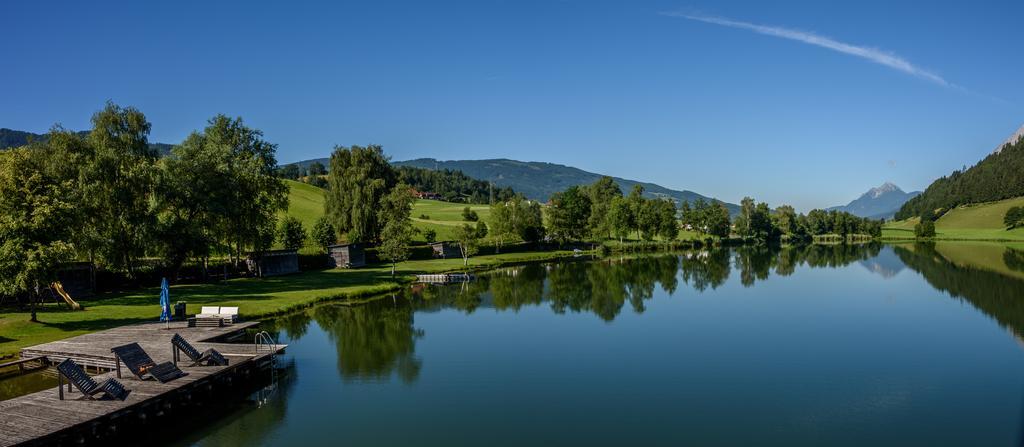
306,203
983,221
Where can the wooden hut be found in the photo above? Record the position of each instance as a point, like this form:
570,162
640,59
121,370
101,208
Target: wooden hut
346,256
446,250
274,262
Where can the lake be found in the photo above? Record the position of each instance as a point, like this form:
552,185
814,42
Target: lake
912,344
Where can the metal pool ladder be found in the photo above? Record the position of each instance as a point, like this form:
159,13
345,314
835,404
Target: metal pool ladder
262,340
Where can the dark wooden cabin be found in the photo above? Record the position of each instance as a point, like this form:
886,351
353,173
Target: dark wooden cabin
274,262
346,256
446,250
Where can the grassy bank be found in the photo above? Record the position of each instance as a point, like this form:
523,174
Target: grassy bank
976,222
256,297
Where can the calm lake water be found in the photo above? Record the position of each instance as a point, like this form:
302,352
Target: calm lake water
825,345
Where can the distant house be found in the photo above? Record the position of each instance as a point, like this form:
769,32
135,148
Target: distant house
346,256
274,262
446,249
426,195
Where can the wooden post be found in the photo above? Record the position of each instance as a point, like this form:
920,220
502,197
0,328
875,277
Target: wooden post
117,365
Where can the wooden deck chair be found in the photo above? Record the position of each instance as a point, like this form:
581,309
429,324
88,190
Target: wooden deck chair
86,385
229,314
141,365
209,357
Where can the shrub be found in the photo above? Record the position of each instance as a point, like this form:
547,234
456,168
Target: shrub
469,215
430,235
925,229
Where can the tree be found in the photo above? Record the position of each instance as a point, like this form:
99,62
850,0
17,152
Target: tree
1014,217
716,219
430,235
468,239
316,168
569,214
290,172
503,225
36,221
668,226
290,233
648,218
358,180
242,193
481,229
636,204
601,193
924,229
469,215
188,202
120,178
620,217
784,219
323,233
397,232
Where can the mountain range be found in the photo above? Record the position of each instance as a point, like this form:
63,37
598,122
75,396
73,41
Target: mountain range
881,202
15,138
538,180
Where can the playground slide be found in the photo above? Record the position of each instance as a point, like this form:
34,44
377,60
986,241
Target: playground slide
67,298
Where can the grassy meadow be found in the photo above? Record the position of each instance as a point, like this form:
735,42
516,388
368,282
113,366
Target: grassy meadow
980,222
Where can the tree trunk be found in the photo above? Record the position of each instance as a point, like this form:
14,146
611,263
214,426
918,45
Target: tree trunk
32,303
393,269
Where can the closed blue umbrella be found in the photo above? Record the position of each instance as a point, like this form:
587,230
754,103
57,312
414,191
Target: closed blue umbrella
165,303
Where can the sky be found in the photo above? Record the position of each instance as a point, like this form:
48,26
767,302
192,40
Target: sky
802,103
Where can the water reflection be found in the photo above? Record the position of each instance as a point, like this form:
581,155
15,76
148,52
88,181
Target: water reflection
374,340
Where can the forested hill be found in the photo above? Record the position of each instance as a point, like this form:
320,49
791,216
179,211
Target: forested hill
999,176
14,138
538,180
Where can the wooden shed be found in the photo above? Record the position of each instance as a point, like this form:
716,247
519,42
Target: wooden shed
446,250
274,262
346,256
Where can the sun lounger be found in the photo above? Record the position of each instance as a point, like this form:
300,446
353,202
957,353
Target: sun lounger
86,385
209,357
141,365
217,316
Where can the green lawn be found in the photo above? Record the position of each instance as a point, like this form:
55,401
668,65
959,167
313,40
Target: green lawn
983,221
255,298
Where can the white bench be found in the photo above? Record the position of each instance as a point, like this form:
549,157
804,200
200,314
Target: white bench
217,316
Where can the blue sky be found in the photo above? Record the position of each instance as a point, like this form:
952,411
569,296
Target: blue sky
699,98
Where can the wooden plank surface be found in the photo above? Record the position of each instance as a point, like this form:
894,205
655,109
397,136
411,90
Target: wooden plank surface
41,414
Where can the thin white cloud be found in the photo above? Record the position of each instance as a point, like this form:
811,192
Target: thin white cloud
872,54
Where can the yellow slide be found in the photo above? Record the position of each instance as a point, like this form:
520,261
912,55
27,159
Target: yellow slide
67,298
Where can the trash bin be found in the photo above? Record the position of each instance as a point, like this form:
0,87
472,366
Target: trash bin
179,311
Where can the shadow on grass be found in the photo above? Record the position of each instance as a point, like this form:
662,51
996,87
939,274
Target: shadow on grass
5,339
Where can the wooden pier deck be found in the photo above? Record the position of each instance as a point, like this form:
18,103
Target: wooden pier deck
42,419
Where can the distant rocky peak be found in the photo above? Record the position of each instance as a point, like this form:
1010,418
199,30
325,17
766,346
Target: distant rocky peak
885,188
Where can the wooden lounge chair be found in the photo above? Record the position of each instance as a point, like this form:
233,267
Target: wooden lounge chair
86,385
141,365
209,357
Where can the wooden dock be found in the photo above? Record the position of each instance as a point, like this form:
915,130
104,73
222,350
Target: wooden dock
445,278
42,419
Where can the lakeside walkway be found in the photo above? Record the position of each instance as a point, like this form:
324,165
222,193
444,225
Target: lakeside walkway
42,419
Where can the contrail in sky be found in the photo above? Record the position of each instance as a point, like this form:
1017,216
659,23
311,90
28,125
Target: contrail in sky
872,54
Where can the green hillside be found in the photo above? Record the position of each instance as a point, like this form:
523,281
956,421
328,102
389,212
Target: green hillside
983,221
306,203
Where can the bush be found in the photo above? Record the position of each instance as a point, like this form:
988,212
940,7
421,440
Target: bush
1014,217
323,232
925,229
290,233
430,235
424,217
469,215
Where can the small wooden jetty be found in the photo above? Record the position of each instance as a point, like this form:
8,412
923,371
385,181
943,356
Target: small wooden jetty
42,419
445,278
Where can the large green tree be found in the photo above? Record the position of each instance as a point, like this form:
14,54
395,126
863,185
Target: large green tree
37,216
120,179
359,179
601,193
396,235
569,214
